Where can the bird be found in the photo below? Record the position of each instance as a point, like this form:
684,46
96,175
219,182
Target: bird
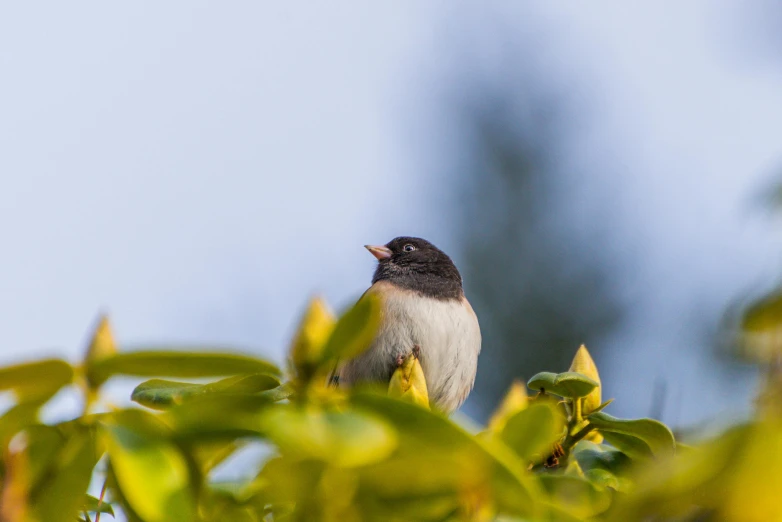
424,311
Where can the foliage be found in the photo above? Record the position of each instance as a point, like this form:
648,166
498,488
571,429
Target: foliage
359,454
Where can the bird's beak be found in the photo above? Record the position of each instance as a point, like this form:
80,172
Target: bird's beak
380,252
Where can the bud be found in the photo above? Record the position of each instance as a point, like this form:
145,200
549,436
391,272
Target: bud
594,436
101,346
314,330
583,364
408,382
102,343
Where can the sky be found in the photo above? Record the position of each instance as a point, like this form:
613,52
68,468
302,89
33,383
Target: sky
199,170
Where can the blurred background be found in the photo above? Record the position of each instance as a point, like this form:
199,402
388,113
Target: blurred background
599,173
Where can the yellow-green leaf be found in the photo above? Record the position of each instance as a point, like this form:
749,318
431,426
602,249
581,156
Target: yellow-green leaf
567,384
286,483
756,476
17,418
218,417
436,457
150,471
355,330
169,363
514,401
603,465
577,496
160,394
34,380
209,454
532,432
346,438
60,496
656,435
703,478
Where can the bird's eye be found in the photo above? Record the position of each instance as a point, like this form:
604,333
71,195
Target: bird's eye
408,248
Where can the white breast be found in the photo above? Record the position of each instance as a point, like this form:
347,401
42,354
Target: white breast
447,333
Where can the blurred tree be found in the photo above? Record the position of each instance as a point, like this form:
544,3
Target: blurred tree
538,285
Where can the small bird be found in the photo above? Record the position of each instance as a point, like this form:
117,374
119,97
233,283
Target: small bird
424,311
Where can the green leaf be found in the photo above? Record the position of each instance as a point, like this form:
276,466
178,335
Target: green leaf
285,481
419,507
436,457
218,417
602,406
606,479
543,381
280,393
17,418
592,456
319,493
355,330
135,451
160,394
633,447
218,503
515,400
342,438
575,495
654,434
192,364
40,379
603,465
567,384
60,496
532,432
95,505
44,444
708,477
208,455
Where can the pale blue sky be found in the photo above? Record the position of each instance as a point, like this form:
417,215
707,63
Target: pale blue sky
199,169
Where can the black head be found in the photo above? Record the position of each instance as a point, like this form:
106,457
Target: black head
416,264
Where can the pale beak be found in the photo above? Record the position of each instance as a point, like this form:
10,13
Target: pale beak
380,252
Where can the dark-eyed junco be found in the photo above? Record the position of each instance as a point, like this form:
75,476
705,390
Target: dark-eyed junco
424,309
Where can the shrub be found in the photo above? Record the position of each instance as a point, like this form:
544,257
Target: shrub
360,454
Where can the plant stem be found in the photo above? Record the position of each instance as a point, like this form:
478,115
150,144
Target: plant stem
567,444
572,440
100,499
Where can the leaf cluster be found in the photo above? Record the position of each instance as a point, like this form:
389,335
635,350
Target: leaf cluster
376,454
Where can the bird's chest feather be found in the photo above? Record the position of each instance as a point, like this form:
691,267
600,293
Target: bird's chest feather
434,325
445,331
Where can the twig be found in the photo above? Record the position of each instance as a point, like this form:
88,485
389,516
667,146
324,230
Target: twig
100,499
